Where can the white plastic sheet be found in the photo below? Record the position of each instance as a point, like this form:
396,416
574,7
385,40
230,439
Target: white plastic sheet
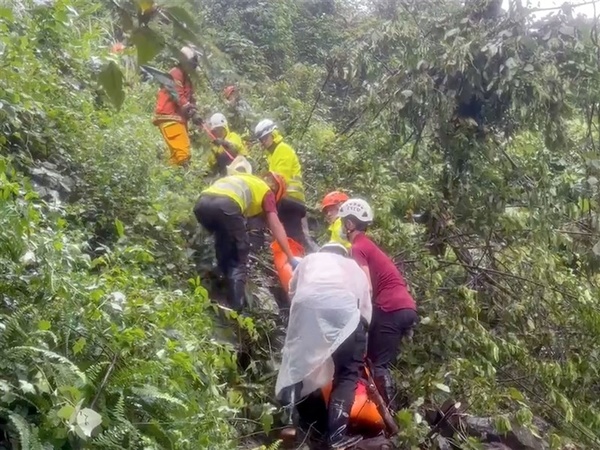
329,293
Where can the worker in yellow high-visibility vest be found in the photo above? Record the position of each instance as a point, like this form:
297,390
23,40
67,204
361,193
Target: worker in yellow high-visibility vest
223,209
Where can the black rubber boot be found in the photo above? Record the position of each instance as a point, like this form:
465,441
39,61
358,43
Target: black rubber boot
236,294
289,397
339,417
386,387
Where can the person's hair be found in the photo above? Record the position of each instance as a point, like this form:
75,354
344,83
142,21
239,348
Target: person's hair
358,225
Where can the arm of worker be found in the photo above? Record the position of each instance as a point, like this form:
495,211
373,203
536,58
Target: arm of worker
184,98
279,234
361,260
270,209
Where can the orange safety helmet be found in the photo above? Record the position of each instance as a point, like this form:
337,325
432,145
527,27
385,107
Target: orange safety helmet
229,90
279,184
333,198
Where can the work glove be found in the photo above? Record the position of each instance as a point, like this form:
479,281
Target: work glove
294,262
219,142
189,110
197,120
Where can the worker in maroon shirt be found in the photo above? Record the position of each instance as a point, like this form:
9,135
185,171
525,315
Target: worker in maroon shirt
394,310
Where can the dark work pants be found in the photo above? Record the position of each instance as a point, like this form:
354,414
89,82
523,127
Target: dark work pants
385,335
348,360
222,217
290,213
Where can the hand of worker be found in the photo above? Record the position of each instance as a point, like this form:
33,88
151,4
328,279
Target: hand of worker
219,142
197,120
189,110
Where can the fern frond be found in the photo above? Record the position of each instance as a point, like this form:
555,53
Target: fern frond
55,357
28,436
151,394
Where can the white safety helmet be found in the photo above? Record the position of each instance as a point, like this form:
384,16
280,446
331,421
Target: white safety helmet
264,127
217,120
334,247
358,209
188,52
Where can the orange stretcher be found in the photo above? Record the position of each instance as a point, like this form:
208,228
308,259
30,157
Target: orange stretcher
364,412
282,266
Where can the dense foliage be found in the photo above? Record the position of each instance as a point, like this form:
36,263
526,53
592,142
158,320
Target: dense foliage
473,131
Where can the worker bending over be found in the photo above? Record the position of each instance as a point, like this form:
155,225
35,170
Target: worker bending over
330,206
222,210
171,114
394,310
226,146
283,159
326,337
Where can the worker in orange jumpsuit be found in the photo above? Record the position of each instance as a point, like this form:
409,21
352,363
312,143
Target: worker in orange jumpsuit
172,114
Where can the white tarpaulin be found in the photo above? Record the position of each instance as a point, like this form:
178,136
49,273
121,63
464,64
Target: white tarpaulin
327,291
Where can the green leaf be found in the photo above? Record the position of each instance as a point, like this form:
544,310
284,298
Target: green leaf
267,422
180,15
515,394
442,387
111,79
148,44
79,345
65,412
120,228
145,5
88,420
44,325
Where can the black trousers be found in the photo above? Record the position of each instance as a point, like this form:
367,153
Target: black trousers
348,360
290,213
385,335
222,217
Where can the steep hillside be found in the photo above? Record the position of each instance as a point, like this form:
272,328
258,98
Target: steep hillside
474,133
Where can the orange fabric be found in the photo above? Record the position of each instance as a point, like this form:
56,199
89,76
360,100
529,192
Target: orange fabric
177,139
166,108
282,265
364,411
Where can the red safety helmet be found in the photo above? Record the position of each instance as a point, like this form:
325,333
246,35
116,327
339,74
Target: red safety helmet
277,184
229,90
333,198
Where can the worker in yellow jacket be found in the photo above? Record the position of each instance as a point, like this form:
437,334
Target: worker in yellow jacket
330,206
283,159
223,209
226,146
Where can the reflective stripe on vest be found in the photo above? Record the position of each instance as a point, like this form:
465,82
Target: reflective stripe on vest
248,191
295,188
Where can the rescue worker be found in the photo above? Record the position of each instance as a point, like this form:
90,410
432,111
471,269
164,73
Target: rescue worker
172,115
227,145
330,206
283,159
222,209
394,310
326,337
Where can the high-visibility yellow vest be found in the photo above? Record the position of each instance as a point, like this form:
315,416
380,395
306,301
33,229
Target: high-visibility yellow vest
283,160
337,233
216,150
246,190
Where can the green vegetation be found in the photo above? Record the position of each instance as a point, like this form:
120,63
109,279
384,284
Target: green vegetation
473,131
